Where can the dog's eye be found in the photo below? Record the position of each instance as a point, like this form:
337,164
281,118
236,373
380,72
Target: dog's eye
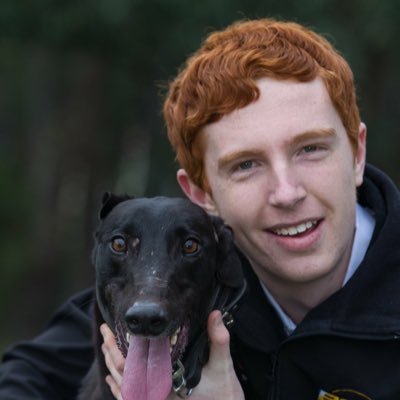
118,244
190,246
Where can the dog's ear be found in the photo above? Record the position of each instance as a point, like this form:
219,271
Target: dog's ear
110,200
229,268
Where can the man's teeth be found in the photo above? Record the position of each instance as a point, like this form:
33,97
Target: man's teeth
128,337
295,230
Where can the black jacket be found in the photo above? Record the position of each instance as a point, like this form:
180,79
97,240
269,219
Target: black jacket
348,347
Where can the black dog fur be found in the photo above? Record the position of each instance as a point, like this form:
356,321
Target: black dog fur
158,262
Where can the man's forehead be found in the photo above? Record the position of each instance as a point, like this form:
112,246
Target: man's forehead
283,105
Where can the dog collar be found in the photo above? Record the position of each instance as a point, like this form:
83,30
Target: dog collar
179,381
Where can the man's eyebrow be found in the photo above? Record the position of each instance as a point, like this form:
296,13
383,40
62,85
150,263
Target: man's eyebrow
314,134
238,155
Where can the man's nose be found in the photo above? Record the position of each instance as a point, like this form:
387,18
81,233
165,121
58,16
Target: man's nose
286,188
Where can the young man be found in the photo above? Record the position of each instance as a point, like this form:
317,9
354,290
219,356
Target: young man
265,125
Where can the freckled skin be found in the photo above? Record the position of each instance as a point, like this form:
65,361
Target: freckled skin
283,160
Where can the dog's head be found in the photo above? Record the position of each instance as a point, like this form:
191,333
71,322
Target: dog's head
158,262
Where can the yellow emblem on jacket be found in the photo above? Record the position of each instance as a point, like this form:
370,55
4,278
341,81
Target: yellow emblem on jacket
342,394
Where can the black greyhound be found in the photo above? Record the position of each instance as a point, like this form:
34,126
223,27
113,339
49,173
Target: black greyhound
162,264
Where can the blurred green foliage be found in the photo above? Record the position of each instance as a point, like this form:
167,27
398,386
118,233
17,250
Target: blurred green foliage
81,85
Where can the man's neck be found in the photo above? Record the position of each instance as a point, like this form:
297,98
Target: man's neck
297,299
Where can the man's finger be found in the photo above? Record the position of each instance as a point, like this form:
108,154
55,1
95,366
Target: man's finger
219,337
113,358
217,329
114,387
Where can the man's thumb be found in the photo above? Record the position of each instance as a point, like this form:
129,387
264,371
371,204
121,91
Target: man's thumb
219,338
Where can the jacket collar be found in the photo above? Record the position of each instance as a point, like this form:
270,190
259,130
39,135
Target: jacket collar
256,321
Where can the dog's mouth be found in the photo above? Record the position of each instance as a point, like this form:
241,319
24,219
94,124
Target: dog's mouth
177,341
150,361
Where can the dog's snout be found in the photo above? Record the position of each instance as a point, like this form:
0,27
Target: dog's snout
146,318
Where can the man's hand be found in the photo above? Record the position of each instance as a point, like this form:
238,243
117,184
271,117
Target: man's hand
114,360
218,379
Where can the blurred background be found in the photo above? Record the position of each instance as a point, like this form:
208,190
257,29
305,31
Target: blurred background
81,86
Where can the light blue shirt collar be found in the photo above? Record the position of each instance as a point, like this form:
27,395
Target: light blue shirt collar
365,224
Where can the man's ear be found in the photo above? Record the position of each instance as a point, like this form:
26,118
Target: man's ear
196,194
359,161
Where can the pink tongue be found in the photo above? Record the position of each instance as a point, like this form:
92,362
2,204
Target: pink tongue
148,371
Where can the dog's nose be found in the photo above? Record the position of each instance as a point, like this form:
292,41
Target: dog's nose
146,318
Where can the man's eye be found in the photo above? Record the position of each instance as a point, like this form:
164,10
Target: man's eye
310,148
246,164
118,244
191,246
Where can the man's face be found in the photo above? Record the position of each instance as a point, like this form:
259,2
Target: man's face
283,175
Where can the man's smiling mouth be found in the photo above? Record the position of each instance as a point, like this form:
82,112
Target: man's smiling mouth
296,229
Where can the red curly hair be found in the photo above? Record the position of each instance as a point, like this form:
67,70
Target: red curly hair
221,77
